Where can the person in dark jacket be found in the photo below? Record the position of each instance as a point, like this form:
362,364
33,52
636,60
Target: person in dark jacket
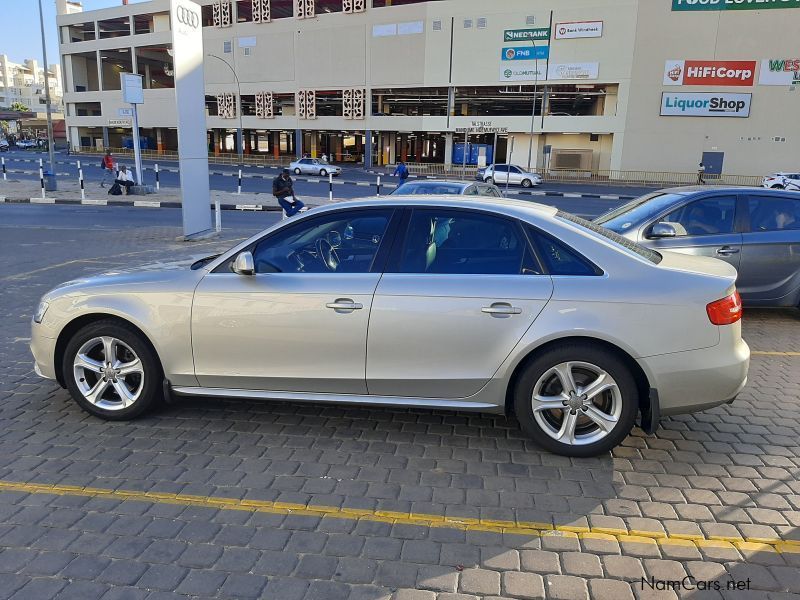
401,171
282,189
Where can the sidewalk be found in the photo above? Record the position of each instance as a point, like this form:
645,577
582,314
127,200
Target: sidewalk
69,192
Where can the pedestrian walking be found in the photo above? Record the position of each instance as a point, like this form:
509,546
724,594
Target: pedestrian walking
401,171
283,190
701,169
107,164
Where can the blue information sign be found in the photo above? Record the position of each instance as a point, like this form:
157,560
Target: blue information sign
525,53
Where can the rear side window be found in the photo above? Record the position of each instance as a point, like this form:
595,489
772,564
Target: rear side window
773,214
559,258
651,255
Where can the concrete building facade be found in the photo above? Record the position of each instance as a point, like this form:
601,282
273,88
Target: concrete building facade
24,83
595,85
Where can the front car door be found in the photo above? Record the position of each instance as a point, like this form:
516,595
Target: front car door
457,296
770,267
300,323
704,227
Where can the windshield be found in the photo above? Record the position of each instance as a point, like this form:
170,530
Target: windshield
428,187
634,212
651,255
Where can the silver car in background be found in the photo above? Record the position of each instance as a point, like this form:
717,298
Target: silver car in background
472,304
437,187
511,174
314,166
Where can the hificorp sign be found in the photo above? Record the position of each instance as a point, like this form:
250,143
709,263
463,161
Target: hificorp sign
686,104
741,73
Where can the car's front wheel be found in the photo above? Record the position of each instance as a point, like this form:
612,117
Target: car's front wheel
576,400
526,183
111,371
297,171
323,173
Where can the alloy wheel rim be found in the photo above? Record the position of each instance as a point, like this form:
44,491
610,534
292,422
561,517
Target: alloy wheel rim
108,373
576,403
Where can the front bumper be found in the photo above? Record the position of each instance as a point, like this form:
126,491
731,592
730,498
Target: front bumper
43,349
698,379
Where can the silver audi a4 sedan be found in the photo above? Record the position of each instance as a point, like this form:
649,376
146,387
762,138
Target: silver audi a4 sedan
457,303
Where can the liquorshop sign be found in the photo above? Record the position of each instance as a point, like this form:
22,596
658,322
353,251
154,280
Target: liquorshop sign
705,105
740,73
678,5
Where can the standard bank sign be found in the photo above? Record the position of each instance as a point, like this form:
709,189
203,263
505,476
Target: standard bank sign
705,105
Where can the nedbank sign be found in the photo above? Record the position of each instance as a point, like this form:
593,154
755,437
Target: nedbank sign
526,35
678,5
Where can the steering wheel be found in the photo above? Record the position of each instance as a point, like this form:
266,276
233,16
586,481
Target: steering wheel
327,254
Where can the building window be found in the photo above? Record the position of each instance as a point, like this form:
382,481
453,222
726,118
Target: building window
112,64
281,9
409,102
83,76
467,23
78,32
482,23
248,105
207,15
85,109
211,106
329,103
150,23
155,65
112,28
227,47
247,50
244,11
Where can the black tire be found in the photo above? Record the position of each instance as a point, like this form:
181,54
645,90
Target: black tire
526,183
585,353
777,186
489,180
297,171
151,390
323,173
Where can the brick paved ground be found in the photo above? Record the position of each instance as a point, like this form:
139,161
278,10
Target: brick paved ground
723,475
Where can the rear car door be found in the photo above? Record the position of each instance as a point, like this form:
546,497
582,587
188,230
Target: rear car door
704,227
461,289
770,266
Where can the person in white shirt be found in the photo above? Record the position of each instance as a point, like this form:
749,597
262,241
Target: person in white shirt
124,178
324,159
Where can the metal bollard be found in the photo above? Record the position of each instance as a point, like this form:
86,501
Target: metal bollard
239,185
41,176
217,216
80,178
3,160
158,182
330,187
379,185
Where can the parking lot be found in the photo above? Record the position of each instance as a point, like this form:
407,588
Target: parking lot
234,499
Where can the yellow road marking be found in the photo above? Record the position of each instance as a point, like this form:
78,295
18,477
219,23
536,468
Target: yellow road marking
532,529
773,353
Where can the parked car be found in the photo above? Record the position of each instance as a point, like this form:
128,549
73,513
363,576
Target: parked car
3,145
514,175
314,166
488,305
755,230
427,187
24,144
782,180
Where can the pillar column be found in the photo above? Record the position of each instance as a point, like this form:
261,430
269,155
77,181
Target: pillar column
248,143
298,143
391,141
367,148
105,138
404,147
159,141
448,150
275,143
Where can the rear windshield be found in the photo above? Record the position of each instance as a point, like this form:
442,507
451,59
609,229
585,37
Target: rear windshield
634,212
651,255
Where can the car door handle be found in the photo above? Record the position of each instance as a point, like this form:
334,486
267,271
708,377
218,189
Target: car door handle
727,251
344,304
499,308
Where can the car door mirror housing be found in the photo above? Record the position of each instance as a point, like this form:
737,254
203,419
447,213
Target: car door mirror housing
244,264
662,230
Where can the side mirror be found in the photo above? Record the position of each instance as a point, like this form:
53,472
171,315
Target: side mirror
244,264
662,230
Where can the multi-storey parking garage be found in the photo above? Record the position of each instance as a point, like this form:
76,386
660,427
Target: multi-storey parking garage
633,85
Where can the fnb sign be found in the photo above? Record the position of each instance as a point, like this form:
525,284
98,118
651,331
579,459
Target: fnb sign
739,73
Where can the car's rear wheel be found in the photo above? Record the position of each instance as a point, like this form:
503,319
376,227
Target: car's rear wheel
526,183
111,371
576,400
323,173
297,171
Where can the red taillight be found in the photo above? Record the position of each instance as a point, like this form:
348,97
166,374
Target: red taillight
725,311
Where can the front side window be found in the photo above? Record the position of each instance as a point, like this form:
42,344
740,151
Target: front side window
342,242
444,241
516,170
773,214
709,216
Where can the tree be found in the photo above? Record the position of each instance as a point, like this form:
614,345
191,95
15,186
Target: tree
19,107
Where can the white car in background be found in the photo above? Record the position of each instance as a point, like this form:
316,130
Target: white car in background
512,174
782,180
3,145
314,166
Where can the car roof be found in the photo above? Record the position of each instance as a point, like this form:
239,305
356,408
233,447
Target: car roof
694,189
443,182
454,201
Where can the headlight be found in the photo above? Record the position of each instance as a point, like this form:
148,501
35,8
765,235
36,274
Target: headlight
40,310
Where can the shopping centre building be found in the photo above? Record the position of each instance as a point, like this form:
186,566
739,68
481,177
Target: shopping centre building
622,85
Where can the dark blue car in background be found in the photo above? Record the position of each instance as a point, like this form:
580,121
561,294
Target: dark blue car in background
756,230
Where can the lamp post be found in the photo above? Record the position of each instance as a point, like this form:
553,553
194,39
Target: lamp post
50,152
533,107
239,143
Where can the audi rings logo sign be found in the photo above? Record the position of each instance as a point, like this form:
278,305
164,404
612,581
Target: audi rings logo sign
188,17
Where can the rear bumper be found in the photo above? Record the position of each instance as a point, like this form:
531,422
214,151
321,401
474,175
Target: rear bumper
698,379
